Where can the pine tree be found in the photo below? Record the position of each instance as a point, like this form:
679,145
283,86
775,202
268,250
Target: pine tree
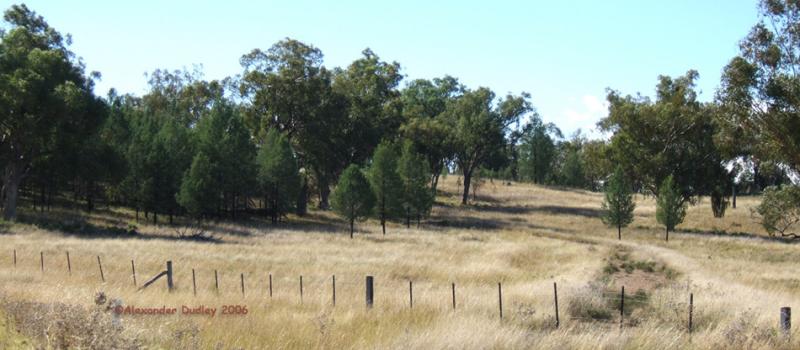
671,208
198,193
353,198
278,174
417,197
386,183
618,204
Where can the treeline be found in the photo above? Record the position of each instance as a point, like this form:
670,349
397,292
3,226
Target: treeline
288,130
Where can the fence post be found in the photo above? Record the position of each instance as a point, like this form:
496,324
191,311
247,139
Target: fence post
453,285
194,284
691,310
333,282
555,295
216,282
622,307
170,285
15,258
100,265
41,259
270,285
500,298
69,264
241,277
133,270
370,291
786,320
301,289
410,295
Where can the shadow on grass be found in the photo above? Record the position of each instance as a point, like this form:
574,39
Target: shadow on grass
723,233
547,209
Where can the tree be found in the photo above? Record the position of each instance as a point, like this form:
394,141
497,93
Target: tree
386,183
618,204
780,211
278,174
426,125
759,88
416,196
479,130
353,198
670,205
672,135
538,150
44,96
199,192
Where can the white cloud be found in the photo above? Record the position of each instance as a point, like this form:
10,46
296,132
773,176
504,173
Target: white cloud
584,115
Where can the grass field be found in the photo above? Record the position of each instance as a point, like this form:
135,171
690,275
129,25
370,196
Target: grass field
525,237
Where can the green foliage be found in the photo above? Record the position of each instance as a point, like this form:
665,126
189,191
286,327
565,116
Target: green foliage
538,150
417,199
386,183
278,174
670,205
759,88
353,198
780,210
618,204
199,189
572,172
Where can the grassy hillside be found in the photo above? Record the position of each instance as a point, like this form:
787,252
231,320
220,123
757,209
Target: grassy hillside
525,237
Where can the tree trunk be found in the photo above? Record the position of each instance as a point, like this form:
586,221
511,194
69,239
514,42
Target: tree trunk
13,177
667,234
352,221
734,195
619,232
324,193
418,219
408,218
467,180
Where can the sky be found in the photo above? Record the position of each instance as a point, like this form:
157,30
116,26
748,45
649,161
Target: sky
564,53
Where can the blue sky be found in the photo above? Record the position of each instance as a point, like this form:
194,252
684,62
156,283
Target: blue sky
565,53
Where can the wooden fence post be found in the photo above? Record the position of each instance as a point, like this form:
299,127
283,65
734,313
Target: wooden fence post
194,284
133,271
410,294
333,283
270,285
622,307
301,289
370,291
100,265
691,310
500,298
41,260
69,264
453,285
555,296
786,320
241,277
216,282
170,285
15,258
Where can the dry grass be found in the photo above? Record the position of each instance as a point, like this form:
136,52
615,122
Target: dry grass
526,237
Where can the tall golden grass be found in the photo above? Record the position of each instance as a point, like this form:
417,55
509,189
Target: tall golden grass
525,237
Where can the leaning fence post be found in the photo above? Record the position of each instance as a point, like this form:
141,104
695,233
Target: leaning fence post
333,283
170,285
622,307
242,279
500,298
133,271
41,260
786,320
69,265
301,289
370,291
194,284
555,295
270,285
100,265
691,310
